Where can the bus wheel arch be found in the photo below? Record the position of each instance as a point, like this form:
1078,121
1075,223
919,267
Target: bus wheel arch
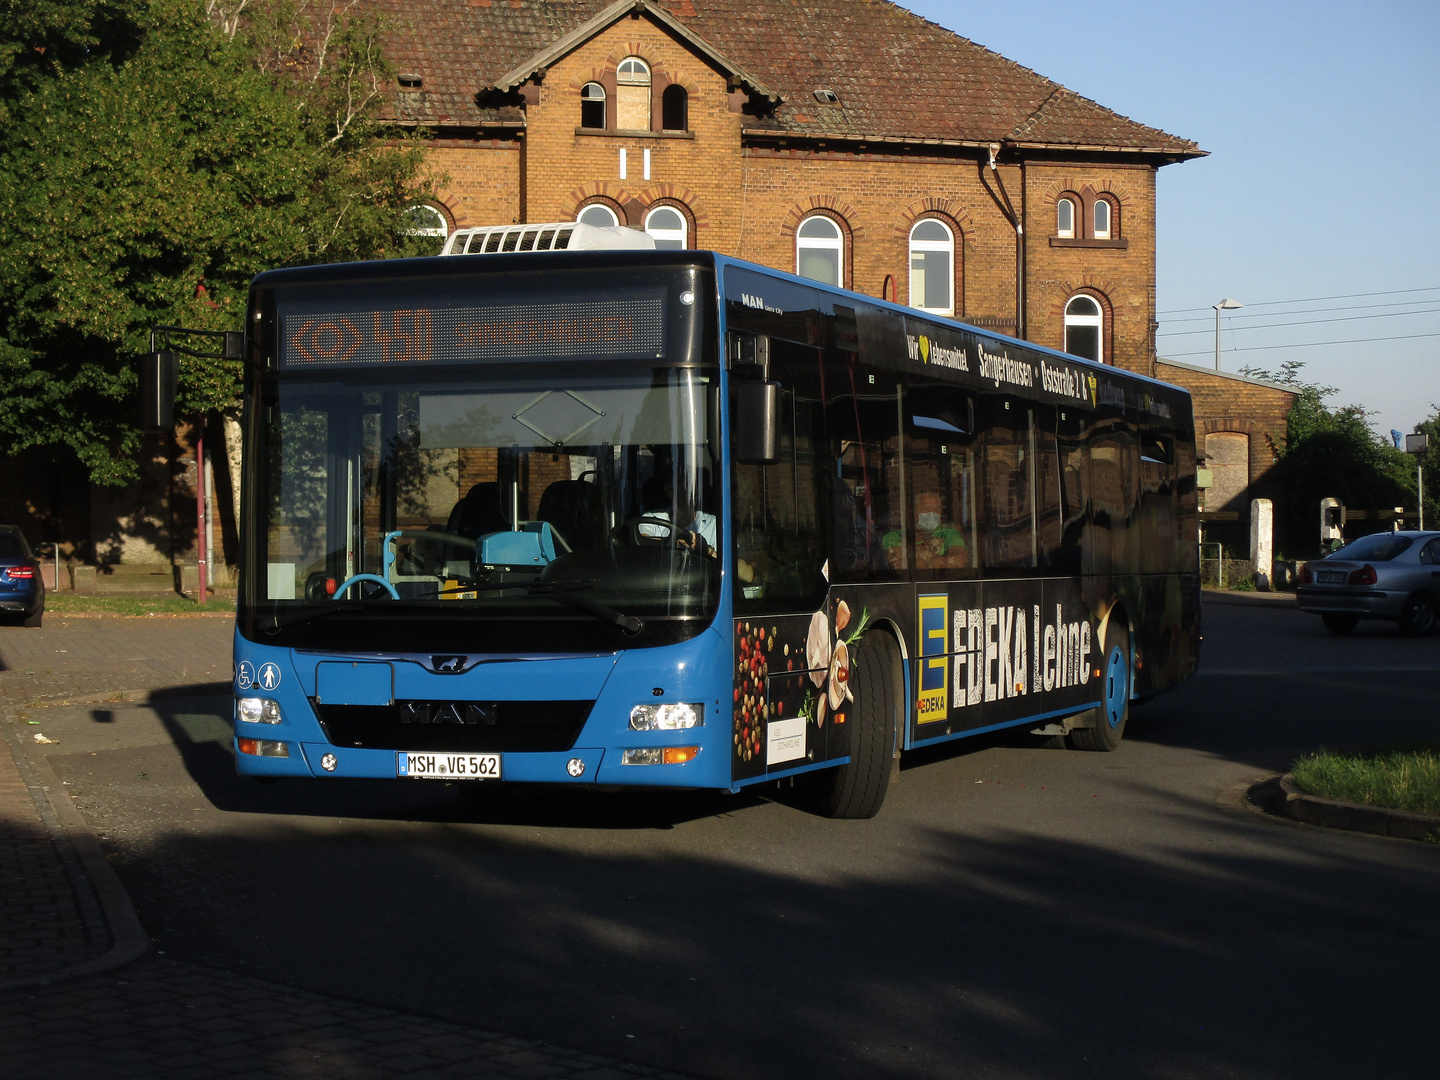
1117,673
857,788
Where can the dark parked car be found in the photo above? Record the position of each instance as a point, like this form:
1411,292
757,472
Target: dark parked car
1394,575
22,589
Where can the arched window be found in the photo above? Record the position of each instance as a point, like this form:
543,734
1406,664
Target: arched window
675,108
669,228
592,105
932,267
820,250
1084,327
1102,219
424,220
599,214
1065,218
632,95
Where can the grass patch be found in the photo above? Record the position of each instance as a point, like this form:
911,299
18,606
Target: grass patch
120,604
1396,778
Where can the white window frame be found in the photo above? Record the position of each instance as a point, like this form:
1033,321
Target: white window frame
1061,229
633,79
1109,211
681,234
835,244
441,232
948,247
1097,321
602,208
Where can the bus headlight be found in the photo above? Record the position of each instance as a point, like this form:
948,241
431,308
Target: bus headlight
674,717
263,747
254,710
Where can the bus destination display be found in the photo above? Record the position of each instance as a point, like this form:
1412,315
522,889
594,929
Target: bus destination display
603,327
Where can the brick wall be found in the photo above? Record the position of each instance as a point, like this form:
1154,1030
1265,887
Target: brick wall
1233,403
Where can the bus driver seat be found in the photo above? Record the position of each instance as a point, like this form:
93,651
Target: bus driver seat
481,511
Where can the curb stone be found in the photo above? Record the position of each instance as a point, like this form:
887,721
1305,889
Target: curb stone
68,828
1300,805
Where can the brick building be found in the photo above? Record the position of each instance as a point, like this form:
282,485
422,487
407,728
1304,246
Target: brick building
845,139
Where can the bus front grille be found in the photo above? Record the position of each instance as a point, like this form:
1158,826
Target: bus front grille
456,726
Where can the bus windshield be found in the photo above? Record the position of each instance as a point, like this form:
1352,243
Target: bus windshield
569,494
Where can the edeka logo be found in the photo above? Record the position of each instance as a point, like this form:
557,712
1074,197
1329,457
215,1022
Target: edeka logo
933,703
993,659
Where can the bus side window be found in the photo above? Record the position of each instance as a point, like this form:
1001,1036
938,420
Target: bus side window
1008,538
1074,491
863,420
779,512
1047,487
1110,546
940,534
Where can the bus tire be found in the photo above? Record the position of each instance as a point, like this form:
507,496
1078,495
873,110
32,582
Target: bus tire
1114,708
857,789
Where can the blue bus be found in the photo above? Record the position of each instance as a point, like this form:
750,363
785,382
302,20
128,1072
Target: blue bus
665,518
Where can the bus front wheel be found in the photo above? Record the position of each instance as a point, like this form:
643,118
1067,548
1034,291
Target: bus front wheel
1114,710
857,789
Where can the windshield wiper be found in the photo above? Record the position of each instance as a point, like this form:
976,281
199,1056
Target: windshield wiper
562,591
554,589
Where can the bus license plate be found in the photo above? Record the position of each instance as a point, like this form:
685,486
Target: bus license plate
422,765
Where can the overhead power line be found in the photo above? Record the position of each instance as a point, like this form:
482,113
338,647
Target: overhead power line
1312,299
1305,311
1305,345
1307,322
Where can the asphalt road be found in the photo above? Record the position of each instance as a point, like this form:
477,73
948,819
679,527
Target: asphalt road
1013,911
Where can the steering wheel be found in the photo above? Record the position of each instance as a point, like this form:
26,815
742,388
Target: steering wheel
674,537
372,578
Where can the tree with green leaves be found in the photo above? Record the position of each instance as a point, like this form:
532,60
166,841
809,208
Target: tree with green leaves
1330,452
154,156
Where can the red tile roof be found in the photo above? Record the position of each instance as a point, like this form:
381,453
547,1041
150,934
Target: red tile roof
897,75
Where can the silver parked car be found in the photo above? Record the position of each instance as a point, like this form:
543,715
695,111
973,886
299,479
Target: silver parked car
1394,575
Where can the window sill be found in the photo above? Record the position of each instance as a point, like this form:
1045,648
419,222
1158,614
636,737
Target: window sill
1065,241
626,133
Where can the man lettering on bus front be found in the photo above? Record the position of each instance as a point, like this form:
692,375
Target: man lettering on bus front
937,546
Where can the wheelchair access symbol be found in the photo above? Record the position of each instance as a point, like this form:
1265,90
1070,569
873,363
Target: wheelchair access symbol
245,677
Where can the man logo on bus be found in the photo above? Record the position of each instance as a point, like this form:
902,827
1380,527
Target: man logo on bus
932,703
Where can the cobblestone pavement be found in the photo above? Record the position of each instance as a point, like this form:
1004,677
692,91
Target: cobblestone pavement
63,1014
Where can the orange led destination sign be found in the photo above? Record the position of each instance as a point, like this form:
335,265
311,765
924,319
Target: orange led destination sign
632,327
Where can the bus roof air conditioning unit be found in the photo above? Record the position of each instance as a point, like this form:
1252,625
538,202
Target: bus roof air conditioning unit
551,236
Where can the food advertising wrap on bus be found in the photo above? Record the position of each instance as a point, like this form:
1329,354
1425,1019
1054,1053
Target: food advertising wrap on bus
983,654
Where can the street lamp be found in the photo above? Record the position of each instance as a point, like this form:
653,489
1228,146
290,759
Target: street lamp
1223,305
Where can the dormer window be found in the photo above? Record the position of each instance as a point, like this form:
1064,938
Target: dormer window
632,95
410,81
592,105
827,97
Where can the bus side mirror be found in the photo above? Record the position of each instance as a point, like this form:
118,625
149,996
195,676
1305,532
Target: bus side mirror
159,376
757,423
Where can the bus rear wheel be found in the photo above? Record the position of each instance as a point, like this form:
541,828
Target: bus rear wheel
1114,708
857,789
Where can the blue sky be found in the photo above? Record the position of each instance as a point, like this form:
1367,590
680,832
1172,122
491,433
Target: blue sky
1323,124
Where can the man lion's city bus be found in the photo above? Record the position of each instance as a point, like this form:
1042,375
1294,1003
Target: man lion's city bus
664,518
